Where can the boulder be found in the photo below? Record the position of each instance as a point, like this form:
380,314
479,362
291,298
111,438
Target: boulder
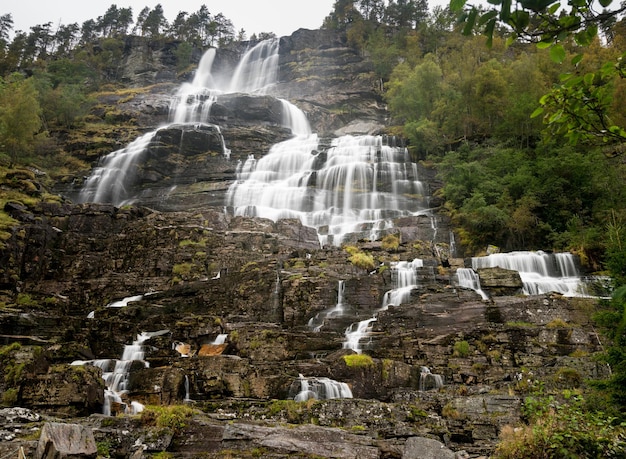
65,389
426,448
61,441
306,440
500,281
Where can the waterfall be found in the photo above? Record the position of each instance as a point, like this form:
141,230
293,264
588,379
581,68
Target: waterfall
452,245
404,278
540,272
116,372
256,72
316,323
468,278
220,339
429,380
108,181
303,389
187,390
124,301
258,69
358,186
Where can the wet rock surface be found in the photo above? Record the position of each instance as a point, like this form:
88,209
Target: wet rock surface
195,275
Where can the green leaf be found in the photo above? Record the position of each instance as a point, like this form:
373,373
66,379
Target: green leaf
605,3
554,8
588,79
487,16
576,59
470,21
544,44
519,19
505,11
457,5
537,112
557,53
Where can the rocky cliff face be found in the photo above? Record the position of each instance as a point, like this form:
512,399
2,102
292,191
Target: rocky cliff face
80,282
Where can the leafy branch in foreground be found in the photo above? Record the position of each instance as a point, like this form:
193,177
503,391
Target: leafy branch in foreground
579,107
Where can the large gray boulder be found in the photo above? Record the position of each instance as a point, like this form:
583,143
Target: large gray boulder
61,441
426,448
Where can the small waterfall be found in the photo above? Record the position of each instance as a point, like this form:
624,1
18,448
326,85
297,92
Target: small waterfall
108,181
295,119
316,323
303,389
468,278
115,373
187,390
356,332
429,380
404,277
220,339
452,245
540,272
124,301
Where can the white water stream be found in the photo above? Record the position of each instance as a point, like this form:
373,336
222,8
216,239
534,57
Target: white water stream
540,272
318,388
404,278
116,373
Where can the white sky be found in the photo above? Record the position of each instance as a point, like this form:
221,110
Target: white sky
282,17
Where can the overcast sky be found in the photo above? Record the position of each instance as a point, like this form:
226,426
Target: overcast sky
282,17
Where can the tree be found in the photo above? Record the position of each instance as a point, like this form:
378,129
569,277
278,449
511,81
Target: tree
154,23
19,116
6,25
66,38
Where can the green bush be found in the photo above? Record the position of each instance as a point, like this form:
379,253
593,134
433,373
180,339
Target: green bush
557,431
390,242
362,260
461,349
358,360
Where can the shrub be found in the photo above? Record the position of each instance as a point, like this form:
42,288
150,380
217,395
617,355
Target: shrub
390,242
172,417
556,431
461,349
358,360
557,323
362,260
9,397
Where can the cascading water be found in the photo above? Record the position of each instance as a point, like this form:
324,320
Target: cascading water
404,277
303,389
115,373
110,181
220,339
429,380
316,323
468,278
358,186
540,272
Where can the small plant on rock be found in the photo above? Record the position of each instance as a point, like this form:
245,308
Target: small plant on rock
461,349
358,360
